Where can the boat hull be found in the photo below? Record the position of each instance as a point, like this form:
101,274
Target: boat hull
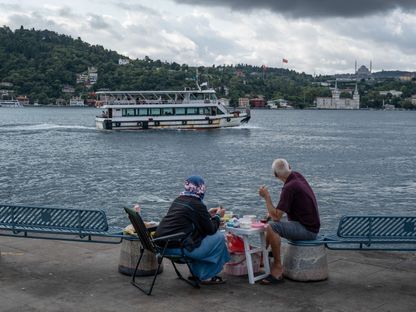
159,123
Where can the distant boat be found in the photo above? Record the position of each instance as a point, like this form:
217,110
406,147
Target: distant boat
10,103
187,109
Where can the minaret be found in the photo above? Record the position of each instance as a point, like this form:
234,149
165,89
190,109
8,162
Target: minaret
356,67
335,92
356,97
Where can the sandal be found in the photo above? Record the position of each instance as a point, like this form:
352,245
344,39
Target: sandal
270,280
216,280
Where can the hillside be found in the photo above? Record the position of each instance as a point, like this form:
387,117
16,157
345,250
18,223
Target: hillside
39,63
46,66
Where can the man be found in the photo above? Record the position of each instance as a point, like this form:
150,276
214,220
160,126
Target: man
298,201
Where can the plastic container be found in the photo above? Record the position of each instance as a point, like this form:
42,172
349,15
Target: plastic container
237,265
245,223
252,218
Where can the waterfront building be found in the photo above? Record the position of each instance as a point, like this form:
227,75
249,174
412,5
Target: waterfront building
243,102
335,102
23,99
258,103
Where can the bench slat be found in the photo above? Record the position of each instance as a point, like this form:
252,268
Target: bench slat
52,218
374,227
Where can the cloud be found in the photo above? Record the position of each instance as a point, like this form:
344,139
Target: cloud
136,7
213,35
312,8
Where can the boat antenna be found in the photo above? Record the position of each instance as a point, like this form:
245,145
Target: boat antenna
196,80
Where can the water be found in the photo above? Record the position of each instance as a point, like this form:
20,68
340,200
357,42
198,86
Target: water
357,162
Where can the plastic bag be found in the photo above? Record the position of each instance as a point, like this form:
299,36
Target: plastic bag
234,243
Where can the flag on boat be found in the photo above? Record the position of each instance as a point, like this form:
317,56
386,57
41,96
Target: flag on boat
285,60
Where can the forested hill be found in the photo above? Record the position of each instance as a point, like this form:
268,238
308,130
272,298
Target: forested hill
39,63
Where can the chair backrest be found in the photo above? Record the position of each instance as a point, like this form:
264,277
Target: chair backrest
52,218
141,230
383,227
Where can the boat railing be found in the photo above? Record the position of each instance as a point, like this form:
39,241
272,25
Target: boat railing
155,102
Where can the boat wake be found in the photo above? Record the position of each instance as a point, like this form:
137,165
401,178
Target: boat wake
41,127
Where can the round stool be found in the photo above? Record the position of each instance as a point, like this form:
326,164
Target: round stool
129,255
306,262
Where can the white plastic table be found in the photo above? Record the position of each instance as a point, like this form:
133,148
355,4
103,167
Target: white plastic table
244,234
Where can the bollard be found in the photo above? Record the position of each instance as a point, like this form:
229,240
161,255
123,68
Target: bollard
129,255
305,262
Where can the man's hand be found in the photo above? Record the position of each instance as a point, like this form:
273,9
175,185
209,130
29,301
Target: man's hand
264,192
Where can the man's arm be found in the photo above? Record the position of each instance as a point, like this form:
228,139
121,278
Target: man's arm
274,213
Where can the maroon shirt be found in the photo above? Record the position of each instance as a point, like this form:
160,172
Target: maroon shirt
298,201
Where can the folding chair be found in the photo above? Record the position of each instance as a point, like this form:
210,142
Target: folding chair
148,243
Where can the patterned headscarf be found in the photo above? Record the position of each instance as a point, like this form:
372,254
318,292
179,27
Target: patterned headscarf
194,186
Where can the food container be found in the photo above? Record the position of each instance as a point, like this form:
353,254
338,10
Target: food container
252,218
245,223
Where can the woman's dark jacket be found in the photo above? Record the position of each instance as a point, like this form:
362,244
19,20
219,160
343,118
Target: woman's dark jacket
188,214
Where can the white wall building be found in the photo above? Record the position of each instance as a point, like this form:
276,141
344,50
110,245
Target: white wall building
392,92
335,102
244,102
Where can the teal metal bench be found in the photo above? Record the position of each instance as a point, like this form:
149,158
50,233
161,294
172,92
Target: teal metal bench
58,224
391,233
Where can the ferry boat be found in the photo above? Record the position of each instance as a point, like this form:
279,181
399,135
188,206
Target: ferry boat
10,103
188,109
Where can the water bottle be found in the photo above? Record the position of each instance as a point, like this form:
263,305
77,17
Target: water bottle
137,208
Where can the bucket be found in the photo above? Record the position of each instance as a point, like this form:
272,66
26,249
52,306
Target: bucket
129,255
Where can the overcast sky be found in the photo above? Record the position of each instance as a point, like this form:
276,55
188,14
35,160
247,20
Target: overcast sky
315,36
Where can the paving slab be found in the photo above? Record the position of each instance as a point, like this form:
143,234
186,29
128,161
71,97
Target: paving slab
43,275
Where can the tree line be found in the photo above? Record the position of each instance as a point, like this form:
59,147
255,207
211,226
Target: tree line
39,63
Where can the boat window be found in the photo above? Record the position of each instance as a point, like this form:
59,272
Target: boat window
205,111
192,111
155,111
128,112
167,111
197,96
180,111
219,112
142,111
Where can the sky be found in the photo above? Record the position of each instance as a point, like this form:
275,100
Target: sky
315,36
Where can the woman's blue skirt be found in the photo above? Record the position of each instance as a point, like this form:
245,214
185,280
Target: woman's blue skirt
209,258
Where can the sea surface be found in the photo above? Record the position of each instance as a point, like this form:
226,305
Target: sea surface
357,162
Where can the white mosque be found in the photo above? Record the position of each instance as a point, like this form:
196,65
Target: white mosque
335,102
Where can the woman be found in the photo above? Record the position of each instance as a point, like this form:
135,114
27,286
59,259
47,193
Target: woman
204,244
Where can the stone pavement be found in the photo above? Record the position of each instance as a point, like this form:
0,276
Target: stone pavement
42,275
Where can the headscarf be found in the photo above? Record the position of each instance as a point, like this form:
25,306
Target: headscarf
194,186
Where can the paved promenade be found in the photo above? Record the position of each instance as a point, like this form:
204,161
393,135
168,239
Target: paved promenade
41,275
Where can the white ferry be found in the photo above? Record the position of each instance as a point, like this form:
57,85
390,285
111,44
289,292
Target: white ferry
10,103
188,109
